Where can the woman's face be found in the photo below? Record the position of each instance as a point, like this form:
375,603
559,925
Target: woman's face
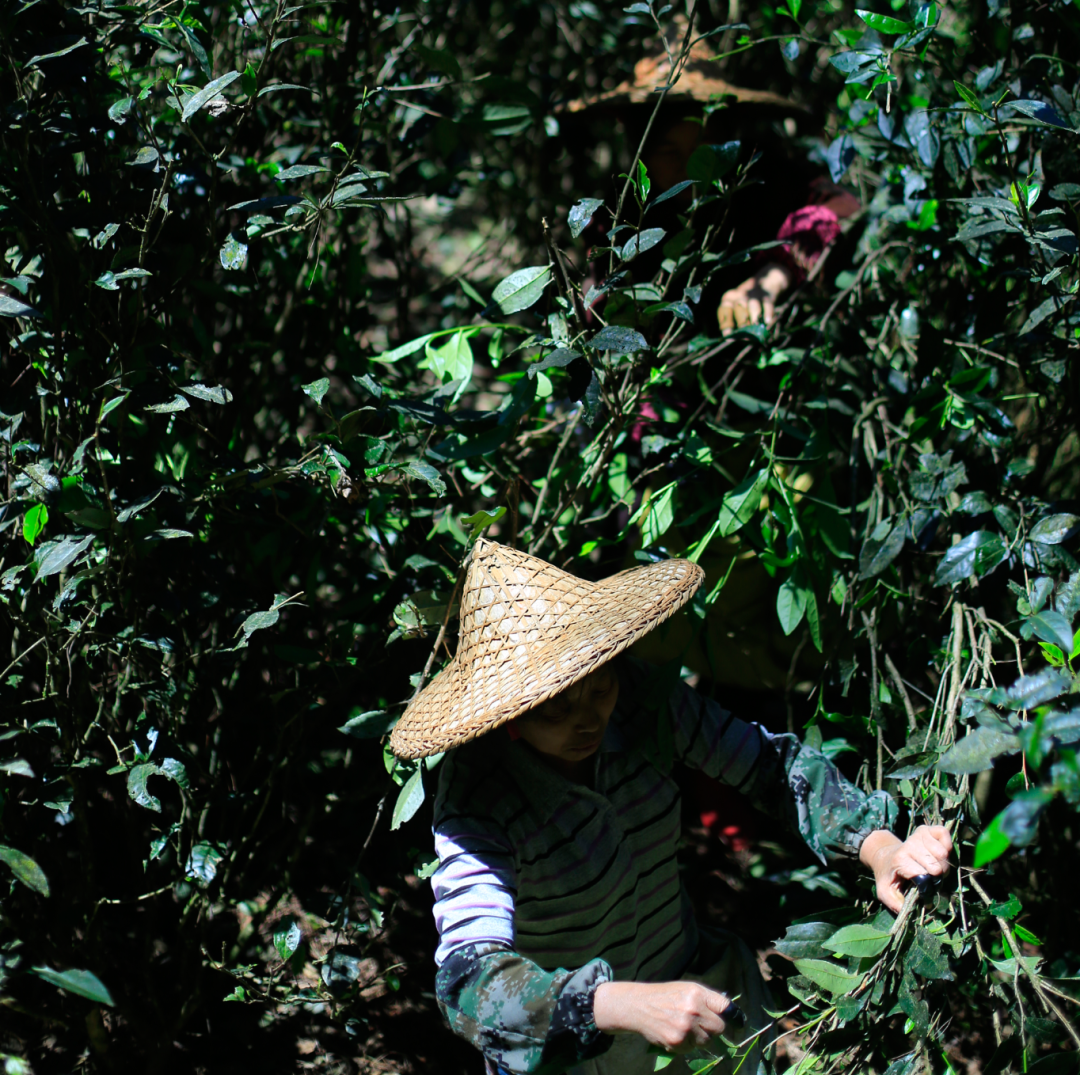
569,727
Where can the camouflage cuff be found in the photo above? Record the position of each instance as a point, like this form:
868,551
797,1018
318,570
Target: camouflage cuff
573,1035
523,1018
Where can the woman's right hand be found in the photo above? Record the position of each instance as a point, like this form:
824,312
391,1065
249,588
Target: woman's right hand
677,1016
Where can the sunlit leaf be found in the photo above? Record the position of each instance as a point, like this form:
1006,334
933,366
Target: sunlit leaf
480,521
521,289
207,94
53,556
830,976
859,940
34,522
409,800
317,389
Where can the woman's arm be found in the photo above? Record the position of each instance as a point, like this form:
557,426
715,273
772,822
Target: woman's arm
779,775
522,1017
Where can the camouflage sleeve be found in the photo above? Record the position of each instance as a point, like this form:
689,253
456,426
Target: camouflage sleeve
522,1018
779,775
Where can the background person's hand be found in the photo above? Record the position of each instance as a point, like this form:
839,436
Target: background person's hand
754,300
677,1016
895,861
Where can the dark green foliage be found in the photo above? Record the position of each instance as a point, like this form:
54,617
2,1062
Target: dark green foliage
298,301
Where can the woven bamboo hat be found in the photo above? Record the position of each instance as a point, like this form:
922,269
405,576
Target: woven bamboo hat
699,81
528,631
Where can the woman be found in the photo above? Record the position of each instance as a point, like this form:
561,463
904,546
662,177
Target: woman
566,939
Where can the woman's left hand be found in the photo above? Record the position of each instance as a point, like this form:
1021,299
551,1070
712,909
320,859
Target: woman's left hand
894,861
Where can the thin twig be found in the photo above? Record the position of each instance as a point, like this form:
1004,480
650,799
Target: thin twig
21,656
1032,977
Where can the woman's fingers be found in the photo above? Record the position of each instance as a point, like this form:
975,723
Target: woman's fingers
925,851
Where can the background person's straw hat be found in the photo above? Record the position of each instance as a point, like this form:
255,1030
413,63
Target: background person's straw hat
528,631
699,81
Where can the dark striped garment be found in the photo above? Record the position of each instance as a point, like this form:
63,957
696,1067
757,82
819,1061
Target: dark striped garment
533,865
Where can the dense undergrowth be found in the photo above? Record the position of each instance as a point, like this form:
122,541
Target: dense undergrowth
297,298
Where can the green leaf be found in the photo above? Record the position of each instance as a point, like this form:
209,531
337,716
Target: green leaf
207,94
1027,935
884,24
111,405
638,244
34,522
740,504
177,403
969,98
1009,908
659,515
369,725
618,340
790,606
287,937
860,940
558,359
805,940
426,473
581,214
233,254
287,86
830,976
250,80
913,766
109,280
136,507
10,307
52,557
409,800
34,60
992,843
977,554
408,348
299,171
1054,529
1019,821
16,767
882,547
25,869
136,785
203,862
211,393
257,621
453,361
521,289
81,982
1030,691
317,389
977,750
1052,627
479,522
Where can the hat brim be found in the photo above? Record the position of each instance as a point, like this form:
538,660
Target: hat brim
505,667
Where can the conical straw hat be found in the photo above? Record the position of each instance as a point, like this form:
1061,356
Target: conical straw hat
699,80
528,631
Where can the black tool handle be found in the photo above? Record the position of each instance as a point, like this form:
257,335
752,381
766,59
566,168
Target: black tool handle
925,884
